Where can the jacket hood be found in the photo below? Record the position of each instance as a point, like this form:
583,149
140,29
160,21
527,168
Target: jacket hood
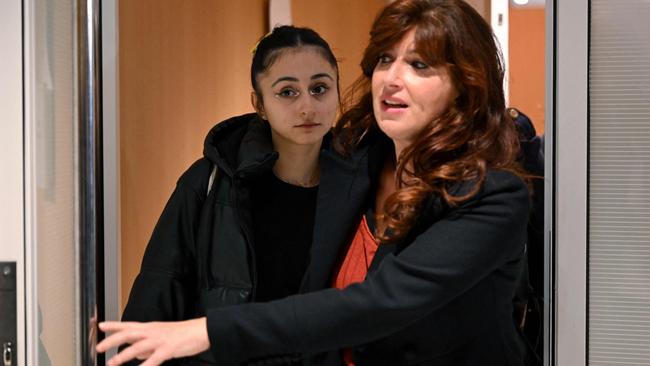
241,146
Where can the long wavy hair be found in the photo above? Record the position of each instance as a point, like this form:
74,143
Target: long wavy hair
473,134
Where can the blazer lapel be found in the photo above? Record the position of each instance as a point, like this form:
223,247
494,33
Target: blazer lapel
382,251
341,195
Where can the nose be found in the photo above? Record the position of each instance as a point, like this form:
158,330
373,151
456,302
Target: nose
306,107
393,76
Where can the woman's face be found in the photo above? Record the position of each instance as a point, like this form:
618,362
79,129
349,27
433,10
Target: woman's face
300,96
407,94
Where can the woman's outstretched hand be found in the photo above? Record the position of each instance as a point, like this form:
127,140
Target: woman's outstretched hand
155,342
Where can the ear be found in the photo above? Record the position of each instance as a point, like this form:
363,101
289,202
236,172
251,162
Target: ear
256,102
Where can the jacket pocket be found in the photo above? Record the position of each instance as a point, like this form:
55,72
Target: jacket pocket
221,296
214,298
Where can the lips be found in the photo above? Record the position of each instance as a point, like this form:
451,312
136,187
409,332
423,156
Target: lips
392,104
308,125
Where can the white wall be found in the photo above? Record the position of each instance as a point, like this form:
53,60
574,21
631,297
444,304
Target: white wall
11,153
570,163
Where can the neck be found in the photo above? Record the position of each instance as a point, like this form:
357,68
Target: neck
399,147
297,164
385,188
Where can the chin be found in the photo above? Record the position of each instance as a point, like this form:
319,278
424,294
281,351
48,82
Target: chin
310,140
392,129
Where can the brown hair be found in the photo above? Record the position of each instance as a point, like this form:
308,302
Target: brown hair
474,133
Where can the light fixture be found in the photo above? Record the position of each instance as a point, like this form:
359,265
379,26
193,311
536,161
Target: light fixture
521,2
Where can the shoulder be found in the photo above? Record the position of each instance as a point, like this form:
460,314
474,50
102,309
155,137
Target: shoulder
503,180
223,141
495,181
230,126
502,192
370,153
195,178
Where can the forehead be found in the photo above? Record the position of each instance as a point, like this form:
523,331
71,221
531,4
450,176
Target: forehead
299,61
406,43
422,41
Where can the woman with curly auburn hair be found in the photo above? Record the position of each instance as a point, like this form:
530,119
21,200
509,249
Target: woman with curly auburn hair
458,142
420,232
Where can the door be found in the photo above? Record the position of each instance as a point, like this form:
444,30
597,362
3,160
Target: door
59,279
51,270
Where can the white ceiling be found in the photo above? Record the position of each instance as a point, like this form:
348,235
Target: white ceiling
531,3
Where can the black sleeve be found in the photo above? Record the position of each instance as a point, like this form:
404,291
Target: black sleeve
451,256
163,290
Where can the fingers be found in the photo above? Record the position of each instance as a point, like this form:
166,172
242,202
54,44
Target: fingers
139,350
154,342
157,358
114,326
144,356
123,334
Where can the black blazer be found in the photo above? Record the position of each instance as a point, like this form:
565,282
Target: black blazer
443,296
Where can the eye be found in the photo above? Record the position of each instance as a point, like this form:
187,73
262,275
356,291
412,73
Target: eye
287,93
419,65
384,59
319,89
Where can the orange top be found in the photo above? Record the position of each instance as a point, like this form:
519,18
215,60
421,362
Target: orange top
355,265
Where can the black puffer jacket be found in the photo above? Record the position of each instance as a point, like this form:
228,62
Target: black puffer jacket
200,253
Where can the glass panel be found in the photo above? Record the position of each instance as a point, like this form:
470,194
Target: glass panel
619,191
54,212
526,90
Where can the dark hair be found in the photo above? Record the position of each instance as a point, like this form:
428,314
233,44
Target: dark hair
474,133
283,37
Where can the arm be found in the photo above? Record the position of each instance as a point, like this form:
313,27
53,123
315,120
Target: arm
450,257
163,288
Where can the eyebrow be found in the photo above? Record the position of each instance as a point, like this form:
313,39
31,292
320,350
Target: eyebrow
284,78
322,75
291,78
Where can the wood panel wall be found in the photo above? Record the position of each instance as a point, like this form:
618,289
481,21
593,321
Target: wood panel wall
183,66
344,24
527,62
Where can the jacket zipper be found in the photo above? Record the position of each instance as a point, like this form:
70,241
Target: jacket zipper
248,237
237,179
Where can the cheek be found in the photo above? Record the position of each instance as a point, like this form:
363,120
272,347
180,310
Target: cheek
276,112
376,96
375,86
329,105
434,101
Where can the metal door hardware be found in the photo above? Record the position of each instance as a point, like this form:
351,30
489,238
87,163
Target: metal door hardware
8,313
7,354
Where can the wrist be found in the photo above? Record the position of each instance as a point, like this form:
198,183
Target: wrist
203,340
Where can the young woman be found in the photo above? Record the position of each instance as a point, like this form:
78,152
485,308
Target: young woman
423,228
238,227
